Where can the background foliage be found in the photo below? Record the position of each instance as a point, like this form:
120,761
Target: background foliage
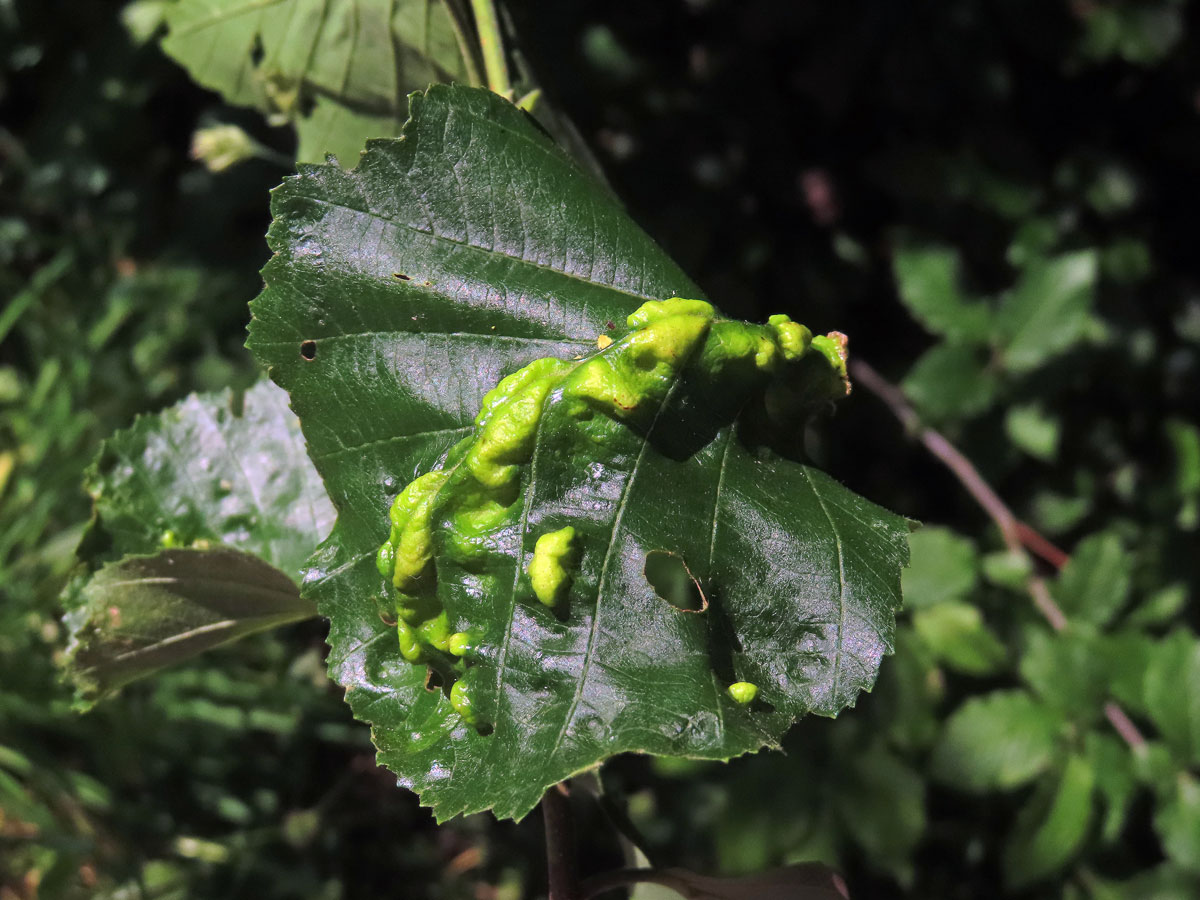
994,199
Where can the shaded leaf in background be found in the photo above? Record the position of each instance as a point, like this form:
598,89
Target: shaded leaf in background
1047,311
1177,822
339,69
929,282
943,566
1053,825
1032,429
957,636
1116,784
1172,693
883,809
227,478
399,295
1067,671
996,741
951,381
804,881
141,614
1094,586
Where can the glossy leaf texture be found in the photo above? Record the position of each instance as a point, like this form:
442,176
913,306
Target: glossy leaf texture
202,518
399,295
338,69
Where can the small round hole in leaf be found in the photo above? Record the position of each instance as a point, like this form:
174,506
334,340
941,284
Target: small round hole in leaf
308,350
672,580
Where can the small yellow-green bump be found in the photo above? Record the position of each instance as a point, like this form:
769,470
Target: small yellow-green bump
460,643
794,339
385,559
170,539
548,570
653,310
410,649
743,692
460,699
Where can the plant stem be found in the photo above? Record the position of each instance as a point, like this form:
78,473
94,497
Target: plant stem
487,23
1018,537
560,844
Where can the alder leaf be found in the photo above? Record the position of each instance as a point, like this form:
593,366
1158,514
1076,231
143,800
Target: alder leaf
339,69
399,295
202,518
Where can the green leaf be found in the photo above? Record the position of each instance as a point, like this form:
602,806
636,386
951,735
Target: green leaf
1172,685
215,469
883,809
1048,310
142,614
929,283
943,566
1177,822
400,294
1094,586
1008,569
997,741
951,381
1116,782
956,635
203,517
1033,430
1067,671
1052,827
339,69
804,881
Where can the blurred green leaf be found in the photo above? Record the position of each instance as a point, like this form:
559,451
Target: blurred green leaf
1051,828
1116,782
1066,671
1185,442
956,635
883,809
1094,585
804,881
929,283
996,741
339,69
1172,685
1047,311
1160,607
1008,569
1034,430
943,566
951,381
1177,822
1127,655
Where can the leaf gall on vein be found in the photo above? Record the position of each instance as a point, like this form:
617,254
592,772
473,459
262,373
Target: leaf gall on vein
464,505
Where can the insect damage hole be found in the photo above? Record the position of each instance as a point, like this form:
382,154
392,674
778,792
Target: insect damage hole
308,350
674,582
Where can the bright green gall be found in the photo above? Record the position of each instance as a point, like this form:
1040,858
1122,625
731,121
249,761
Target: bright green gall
411,538
459,643
410,648
794,339
654,310
833,347
460,699
743,692
549,570
464,509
